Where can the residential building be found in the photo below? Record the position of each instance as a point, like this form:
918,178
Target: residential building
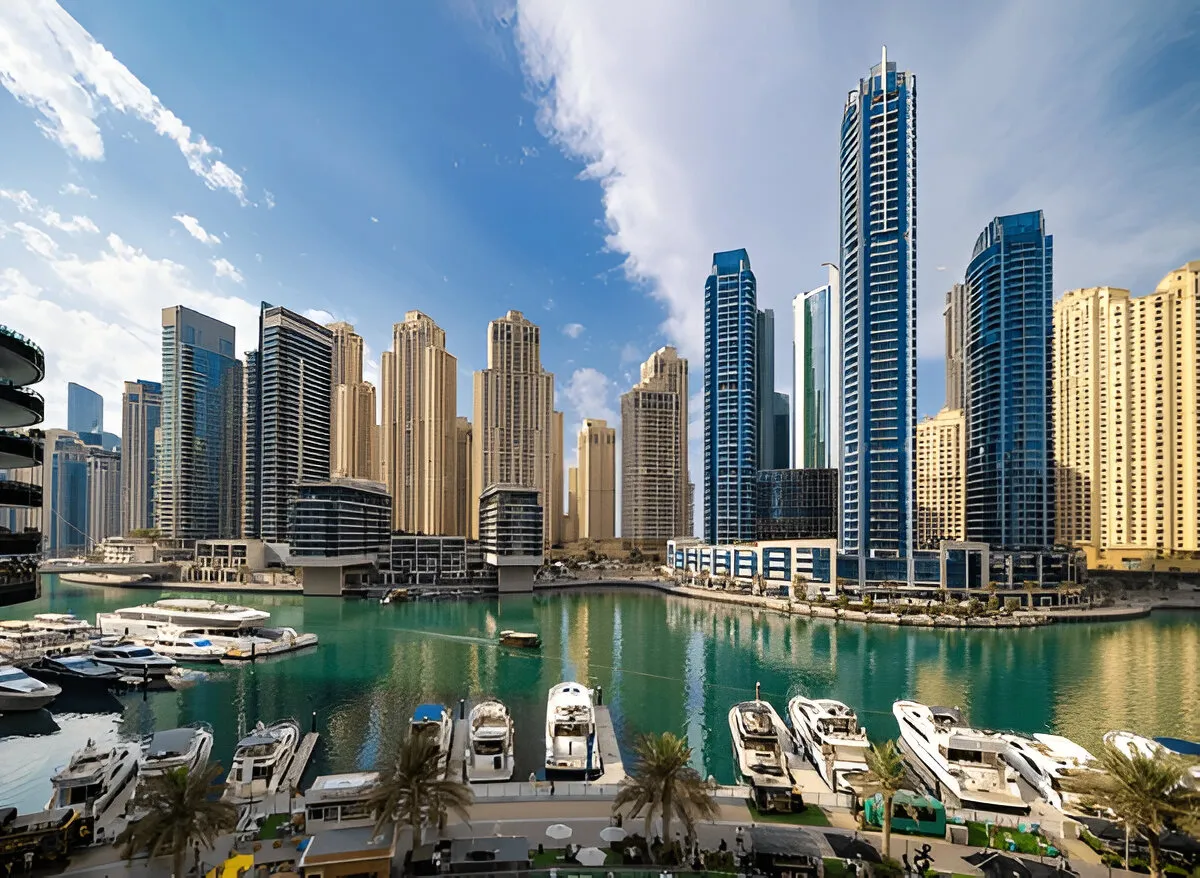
1007,379
781,425
731,421
1126,376
425,560
141,417
878,276
289,442
597,480
513,423
816,385
510,534
941,479
346,365
104,494
773,409
554,511
340,518
463,438
571,518
954,315
81,505
419,430
798,504
352,432
22,363
778,562
85,409
197,493
654,451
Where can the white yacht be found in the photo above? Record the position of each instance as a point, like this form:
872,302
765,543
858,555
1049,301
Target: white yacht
134,660
829,733
187,747
265,642
961,766
19,691
94,777
261,760
758,735
185,646
571,730
195,614
67,624
24,641
1043,760
114,579
434,720
1131,743
489,752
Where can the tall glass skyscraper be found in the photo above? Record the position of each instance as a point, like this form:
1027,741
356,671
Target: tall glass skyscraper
730,399
816,357
879,315
141,416
773,408
1007,365
85,409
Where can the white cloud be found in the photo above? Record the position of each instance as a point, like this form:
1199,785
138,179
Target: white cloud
51,64
588,392
225,268
374,219
26,203
72,189
573,330
269,199
320,315
548,304
195,229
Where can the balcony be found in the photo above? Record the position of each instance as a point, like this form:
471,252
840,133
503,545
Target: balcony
21,361
17,450
26,543
20,494
19,407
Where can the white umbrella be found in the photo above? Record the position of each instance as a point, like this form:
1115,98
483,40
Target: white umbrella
590,857
558,831
613,833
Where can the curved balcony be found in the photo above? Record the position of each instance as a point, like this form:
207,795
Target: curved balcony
19,580
21,361
18,450
20,407
20,494
25,543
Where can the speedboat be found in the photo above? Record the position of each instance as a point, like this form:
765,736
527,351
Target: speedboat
94,777
187,747
489,754
1044,760
961,766
268,641
197,614
185,646
134,660
76,672
261,760
19,691
571,730
1134,744
520,639
434,720
758,734
828,731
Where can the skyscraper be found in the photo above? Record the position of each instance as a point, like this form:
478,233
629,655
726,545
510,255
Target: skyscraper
731,421
773,409
941,479
597,480
198,489
513,426
955,315
554,504
879,315
352,451
1007,380
654,451
462,475
85,409
817,388
141,416
290,440
419,429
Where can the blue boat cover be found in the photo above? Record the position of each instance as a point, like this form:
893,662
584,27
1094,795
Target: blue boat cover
1180,746
429,713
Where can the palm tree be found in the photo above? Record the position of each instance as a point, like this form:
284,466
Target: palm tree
885,769
1144,792
179,809
412,791
663,782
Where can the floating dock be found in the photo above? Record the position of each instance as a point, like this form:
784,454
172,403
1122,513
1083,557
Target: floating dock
457,769
612,768
300,760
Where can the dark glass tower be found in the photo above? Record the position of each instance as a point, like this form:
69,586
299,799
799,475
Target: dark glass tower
1007,359
85,409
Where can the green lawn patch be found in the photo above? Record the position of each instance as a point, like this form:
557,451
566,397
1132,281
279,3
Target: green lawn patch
553,858
270,827
835,868
810,816
1026,842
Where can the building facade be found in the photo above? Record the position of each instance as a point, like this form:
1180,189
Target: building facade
798,504
774,412
141,417
22,475
1007,360
422,560
731,421
463,440
879,317
1127,436
198,492
81,504
941,479
510,534
554,512
340,518
352,429
954,315
817,388
85,409
778,562
597,480
571,517
654,451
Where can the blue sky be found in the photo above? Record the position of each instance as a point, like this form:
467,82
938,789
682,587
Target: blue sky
579,162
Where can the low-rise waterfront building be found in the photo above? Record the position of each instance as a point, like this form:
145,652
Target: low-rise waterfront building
360,852
225,561
336,527
777,562
339,801
510,534
434,560
127,550
797,504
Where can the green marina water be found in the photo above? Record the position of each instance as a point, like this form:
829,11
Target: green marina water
664,663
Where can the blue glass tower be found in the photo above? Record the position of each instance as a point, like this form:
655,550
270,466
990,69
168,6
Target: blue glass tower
1007,365
85,409
730,399
879,316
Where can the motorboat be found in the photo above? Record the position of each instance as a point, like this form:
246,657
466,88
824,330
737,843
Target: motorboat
195,614
520,639
268,641
571,730
1134,744
134,660
76,672
19,691
489,752
960,766
185,646
186,747
758,735
26,641
114,579
1044,760
67,624
95,776
260,761
829,733
434,720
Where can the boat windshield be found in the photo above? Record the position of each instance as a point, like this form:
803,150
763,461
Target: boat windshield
8,675
140,652
770,744
570,730
202,641
489,748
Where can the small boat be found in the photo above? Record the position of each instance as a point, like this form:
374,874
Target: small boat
19,691
1043,760
76,672
434,720
187,747
94,777
571,730
184,678
829,733
522,639
758,734
186,646
134,660
82,578
269,641
489,752
1133,744
261,760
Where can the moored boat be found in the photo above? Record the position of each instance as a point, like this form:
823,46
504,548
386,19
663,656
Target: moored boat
829,734
758,736
1132,744
115,579
193,614
187,747
21,692
571,730
134,660
95,776
261,760
185,646
26,641
434,720
76,672
267,641
521,639
1044,760
489,751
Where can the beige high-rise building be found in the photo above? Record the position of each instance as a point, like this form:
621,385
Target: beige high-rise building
571,519
955,315
655,492
419,430
352,429
462,475
597,480
1126,429
941,478
555,510
347,364
513,423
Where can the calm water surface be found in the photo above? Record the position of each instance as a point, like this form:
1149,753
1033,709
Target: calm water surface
664,663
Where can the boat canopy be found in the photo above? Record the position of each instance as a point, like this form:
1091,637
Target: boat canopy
429,713
1180,746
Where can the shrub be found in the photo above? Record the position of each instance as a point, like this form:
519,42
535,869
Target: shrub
973,607
843,601
993,603
868,603
1012,604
